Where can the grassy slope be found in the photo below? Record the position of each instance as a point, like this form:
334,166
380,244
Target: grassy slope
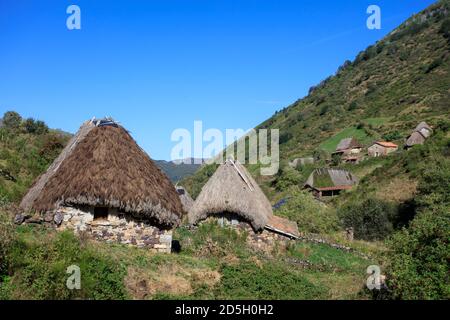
24,156
390,87
214,263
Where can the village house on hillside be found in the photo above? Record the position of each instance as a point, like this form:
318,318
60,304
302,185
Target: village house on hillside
349,150
419,135
232,197
328,182
381,148
104,184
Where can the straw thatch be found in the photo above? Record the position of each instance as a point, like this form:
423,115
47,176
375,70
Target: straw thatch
232,190
415,138
103,166
185,198
327,178
347,144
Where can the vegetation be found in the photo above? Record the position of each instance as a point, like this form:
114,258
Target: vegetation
27,148
401,206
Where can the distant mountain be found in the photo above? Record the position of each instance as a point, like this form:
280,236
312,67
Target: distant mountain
179,169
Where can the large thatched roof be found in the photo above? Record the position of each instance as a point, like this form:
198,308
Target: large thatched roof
232,189
103,166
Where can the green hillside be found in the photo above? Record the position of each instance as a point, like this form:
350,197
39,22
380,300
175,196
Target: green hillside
402,200
383,94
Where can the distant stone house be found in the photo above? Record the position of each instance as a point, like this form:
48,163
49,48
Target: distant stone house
105,185
381,148
419,135
349,150
328,182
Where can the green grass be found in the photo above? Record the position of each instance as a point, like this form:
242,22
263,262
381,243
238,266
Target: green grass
376,121
214,263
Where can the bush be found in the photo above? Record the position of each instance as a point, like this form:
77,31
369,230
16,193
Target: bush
310,215
370,219
35,127
392,136
419,255
40,260
12,120
286,178
418,262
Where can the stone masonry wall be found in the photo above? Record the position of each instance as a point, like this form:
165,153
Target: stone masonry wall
117,228
265,241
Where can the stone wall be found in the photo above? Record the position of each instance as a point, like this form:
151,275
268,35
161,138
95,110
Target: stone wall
117,228
266,241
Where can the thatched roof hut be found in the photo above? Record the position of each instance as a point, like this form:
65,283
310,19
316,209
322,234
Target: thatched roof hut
328,181
415,138
102,166
348,144
232,190
185,198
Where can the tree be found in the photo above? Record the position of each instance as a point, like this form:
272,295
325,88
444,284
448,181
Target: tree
370,219
12,120
41,127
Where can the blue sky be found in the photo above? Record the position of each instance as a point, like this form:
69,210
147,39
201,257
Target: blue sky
158,65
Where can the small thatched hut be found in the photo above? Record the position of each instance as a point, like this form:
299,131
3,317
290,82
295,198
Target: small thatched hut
105,184
185,198
231,190
330,182
419,135
233,197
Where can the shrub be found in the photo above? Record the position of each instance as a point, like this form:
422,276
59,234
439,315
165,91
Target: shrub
418,262
309,214
12,120
285,137
370,219
286,178
40,260
35,127
391,136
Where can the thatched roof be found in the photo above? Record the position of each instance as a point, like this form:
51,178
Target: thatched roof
103,166
423,125
185,198
331,179
232,189
415,138
348,143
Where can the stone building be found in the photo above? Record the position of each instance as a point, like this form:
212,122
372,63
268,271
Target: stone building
233,198
349,150
381,148
419,135
104,184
